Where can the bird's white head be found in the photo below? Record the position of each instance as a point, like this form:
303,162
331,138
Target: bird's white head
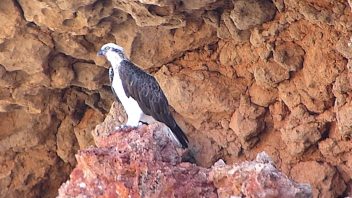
114,53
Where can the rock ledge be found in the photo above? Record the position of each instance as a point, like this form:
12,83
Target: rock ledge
145,163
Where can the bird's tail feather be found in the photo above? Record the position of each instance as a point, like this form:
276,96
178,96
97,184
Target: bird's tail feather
179,136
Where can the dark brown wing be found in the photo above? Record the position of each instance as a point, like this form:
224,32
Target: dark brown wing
146,91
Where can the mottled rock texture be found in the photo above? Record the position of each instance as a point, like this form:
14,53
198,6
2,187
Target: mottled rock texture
144,162
257,178
282,66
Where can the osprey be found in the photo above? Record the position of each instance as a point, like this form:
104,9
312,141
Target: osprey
139,93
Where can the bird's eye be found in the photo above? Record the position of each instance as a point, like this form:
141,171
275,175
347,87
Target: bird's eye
107,48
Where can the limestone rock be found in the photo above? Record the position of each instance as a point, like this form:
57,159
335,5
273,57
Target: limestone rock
26,150
145,162
89,76
83,130
24,52
9,11
158,46
316,94
270,74
228,55
247,14
75,17
258,178
125,33
280,5
228,29
289,55
143,17
344,119
344,46
322,176
66,141
326,72
296,91
301,131
116,117
75,46
189,86
197,4
117,163
315,14
247,122
62,73
17,136
262,96
33,99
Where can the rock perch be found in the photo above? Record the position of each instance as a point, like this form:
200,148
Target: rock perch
145,163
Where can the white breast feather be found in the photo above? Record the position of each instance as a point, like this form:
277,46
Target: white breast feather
134,112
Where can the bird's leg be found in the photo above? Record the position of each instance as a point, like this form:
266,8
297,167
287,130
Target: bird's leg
132,123
128,128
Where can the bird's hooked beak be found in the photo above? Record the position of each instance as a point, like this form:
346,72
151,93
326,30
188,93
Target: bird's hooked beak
101,52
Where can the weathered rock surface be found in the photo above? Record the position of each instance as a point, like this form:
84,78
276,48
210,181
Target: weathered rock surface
322,176
139,163
144,162
15,54
292,60
247,122
8,27
247,14
258,178
301,131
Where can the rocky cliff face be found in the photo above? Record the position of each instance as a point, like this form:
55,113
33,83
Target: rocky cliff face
242,76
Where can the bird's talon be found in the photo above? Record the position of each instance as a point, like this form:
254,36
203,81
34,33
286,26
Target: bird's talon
140,123
125,128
